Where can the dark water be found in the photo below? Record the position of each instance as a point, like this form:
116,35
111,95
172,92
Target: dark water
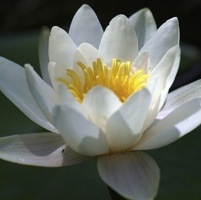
180,162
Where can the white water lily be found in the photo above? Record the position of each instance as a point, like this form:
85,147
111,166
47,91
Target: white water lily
105,95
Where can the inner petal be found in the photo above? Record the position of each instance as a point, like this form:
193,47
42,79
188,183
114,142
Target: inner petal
119,77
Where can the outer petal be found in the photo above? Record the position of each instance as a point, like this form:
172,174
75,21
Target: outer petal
14,86
43,54
165,73
144,25
79,133
61,48
85,27
100,103
41,91
38,149
133,175
163,76
166,37
171,61
179,122
180,96
119,40
124,127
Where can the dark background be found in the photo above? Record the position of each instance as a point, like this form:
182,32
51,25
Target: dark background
29,15
180,163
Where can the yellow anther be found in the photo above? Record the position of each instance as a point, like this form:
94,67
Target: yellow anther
75,78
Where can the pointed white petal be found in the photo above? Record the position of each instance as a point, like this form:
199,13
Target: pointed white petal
119,40
174,59
85,27
180,96
141,62
41,91
100,103
166,37
166,71
79,133
86,54
61,47
133,175
43,54
38,149
144,25
14,86
124,127
179,122
163,76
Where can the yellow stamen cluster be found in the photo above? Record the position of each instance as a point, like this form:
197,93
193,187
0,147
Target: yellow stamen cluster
118,78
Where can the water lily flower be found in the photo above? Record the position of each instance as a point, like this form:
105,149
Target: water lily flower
104,96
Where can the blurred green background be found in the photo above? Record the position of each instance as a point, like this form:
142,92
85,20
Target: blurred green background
180,162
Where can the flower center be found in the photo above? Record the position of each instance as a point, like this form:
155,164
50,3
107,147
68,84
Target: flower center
119,78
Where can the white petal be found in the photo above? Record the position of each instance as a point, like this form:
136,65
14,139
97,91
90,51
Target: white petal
179,122
124,127
166,37
43,54
174,59
100,103
119,40
144,25
61,48
152,87
51,70
180,96
133,175
163,76
87,54
66,98
141,62
38,149
79,133
166,71
56,71
85,27
14,86
41,91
